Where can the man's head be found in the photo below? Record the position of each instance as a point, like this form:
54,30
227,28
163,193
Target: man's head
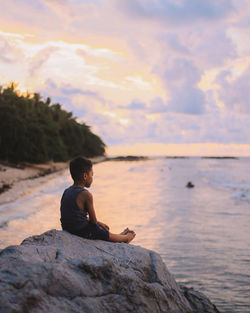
81,171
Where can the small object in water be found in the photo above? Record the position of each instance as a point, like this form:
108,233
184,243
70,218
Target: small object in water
190,185
4,187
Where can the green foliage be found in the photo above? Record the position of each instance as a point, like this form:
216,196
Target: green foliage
36,131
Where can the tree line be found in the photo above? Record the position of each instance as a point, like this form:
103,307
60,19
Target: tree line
34,130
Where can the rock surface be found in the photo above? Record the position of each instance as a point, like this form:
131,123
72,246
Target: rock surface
60,272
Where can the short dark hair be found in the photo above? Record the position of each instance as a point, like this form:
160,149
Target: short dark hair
78,166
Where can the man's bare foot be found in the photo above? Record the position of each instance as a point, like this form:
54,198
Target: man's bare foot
125,231
130,235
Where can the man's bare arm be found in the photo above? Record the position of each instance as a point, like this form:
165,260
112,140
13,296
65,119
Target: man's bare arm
90,207
85,200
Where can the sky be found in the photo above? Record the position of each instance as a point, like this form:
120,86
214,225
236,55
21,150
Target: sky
159,77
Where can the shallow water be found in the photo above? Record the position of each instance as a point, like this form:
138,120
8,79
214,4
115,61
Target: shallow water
202,233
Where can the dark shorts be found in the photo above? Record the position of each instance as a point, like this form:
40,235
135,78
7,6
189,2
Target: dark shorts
92,231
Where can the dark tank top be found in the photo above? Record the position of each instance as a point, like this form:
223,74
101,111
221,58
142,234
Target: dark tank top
72,217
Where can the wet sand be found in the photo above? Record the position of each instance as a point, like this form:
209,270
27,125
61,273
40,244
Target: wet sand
17,181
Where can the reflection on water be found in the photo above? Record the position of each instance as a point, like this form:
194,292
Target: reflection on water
32,214
201,233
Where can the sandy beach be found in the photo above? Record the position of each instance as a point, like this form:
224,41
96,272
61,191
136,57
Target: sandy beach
18,181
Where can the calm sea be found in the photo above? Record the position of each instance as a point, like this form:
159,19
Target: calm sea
202,233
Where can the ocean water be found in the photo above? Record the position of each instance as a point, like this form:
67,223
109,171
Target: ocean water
202,233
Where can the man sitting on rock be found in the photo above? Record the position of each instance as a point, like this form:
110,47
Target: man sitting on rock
77,210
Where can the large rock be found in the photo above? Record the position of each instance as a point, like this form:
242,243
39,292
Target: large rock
60,272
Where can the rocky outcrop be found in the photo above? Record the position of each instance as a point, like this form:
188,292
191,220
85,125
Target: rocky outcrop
60,272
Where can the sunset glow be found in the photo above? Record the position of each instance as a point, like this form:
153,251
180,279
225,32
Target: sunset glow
152,77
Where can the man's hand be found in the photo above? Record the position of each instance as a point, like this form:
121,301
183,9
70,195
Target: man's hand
103,225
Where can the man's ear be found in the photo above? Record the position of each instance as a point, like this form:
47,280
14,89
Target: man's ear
84,176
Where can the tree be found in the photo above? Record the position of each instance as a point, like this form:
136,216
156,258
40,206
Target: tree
36,131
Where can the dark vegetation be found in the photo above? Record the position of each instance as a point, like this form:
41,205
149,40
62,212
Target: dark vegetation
128,158
36,131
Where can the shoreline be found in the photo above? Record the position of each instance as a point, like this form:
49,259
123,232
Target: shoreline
16,182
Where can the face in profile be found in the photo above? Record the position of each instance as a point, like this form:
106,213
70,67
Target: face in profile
88,178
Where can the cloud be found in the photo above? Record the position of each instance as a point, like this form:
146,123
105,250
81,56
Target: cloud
137,71
157,106
40,59
182,11
180,77
87,105
99,53
188,99
173,42
67,89
235,93
170,128
29,9
60,7
9,53
211,46
136,105
179,72
34,17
